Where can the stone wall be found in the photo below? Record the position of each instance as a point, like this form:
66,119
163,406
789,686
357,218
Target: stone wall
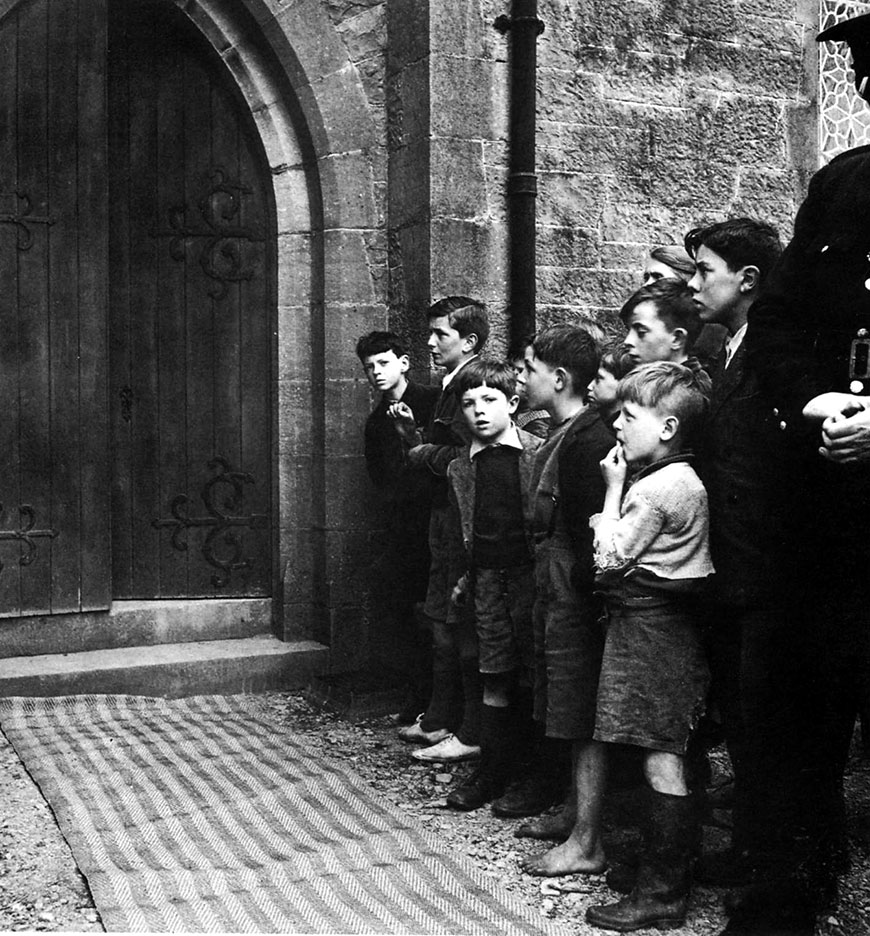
656,116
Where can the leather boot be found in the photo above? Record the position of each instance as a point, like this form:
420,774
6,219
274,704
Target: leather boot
496,757
661,893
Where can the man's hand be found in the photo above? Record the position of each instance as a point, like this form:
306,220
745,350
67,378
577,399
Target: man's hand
403,420
613,467
846,435
832,405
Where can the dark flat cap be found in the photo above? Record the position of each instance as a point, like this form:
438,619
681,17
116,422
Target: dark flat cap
855,30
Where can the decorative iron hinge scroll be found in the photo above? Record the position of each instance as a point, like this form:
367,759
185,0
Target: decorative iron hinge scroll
15,209
25,534
224,526
221,255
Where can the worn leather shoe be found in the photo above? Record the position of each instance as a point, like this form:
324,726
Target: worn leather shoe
527,796
414,734
474,791
447,751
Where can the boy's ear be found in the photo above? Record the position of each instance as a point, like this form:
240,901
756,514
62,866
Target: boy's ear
750,278
561,379
513,402
670,427
404,363
681,336
470,341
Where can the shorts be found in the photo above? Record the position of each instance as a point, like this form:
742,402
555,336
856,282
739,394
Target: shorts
569,641
503,600
654,676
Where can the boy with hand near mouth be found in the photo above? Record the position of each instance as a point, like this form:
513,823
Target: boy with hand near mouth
652,558
491,486
400,574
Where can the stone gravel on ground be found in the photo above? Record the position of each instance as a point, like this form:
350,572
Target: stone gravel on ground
42,890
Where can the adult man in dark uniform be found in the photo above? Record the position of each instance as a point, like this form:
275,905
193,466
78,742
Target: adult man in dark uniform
809,343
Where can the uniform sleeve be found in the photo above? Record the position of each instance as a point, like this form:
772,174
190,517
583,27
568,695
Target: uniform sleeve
618,543
780,338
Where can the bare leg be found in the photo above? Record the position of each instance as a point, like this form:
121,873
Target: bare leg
582,852
665,772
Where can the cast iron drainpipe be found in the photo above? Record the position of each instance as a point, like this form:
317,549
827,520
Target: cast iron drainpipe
522,184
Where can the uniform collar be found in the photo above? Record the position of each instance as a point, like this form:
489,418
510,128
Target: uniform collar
511,439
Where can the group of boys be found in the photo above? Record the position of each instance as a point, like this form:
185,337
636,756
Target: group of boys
571,580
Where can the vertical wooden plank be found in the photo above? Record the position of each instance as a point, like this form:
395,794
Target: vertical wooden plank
121,389
147,218
201,311
172,288
10,356
63,284
36,465
257,303
93,213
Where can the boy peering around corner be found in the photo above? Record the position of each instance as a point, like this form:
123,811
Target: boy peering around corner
450,726
652,558
662,323
568,489
399,575
535,422
601,392
490,483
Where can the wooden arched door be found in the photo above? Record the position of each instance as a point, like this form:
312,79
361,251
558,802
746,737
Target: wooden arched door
191,255
137,268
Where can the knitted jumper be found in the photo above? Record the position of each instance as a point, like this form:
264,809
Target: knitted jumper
663,527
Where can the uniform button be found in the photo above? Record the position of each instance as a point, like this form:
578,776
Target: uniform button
783,425
776,411
867,283
856,386
824,248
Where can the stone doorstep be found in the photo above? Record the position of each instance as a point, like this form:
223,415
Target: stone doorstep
136,624
251,664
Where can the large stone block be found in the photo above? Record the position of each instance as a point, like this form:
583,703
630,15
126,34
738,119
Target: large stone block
408,105
573,199
567,247
463,257
409,185
347,268
347,183
457,27
297,401
365,32
342,327
407,33
458,184
348,404
291,186
349,639
345,480
463,90
349,560
338,112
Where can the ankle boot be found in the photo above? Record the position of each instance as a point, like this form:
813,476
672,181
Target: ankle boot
661,892
496,760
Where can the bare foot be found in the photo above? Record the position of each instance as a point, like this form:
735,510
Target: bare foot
556,827
567,858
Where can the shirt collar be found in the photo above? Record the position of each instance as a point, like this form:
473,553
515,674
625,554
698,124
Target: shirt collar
511,439
734,342
447,378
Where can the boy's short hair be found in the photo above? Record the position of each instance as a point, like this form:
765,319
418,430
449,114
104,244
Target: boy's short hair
617,362
499,375
467,316
739,242
676,258
570,347
517,349
682,391
379,342
674,304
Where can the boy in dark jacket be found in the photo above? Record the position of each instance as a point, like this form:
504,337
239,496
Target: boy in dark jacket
450,726
400,573
490,483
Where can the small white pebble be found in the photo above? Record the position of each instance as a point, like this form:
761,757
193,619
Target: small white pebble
444,778
46,917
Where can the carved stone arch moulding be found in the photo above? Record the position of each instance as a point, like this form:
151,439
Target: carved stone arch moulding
844,118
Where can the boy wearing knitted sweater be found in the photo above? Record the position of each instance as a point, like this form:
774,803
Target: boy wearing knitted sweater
652,558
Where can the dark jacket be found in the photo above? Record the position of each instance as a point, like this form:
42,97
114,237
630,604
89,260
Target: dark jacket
801,331
746,469
462,475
